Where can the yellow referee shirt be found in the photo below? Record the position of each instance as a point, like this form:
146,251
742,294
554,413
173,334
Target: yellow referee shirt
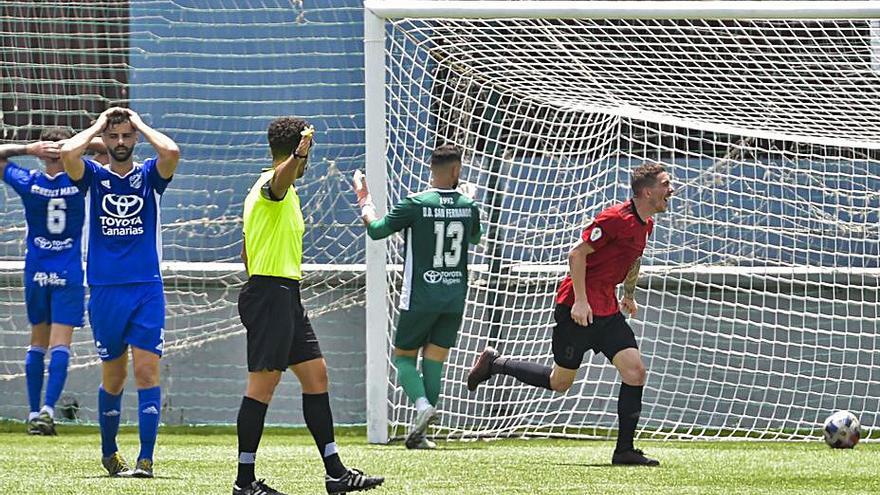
273,232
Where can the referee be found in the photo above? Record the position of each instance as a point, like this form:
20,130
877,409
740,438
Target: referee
279,335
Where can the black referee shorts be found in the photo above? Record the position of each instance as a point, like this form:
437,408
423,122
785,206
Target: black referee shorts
279,333
607,334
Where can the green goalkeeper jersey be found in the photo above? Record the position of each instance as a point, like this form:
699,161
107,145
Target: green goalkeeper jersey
437,224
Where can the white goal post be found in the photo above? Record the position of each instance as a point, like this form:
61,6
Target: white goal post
760,285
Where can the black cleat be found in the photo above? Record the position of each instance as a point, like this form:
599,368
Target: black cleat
634,457
482,369
257,487
354,480
46,424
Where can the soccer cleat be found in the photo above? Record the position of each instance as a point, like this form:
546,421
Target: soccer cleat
482,369
423,420
33,427
257,487
115,465
46,424
633,457
421,443
143,469
354,480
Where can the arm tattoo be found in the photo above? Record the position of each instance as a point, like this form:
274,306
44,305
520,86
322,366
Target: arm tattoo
629,285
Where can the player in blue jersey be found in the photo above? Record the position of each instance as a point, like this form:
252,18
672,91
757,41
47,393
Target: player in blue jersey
53,276
126,302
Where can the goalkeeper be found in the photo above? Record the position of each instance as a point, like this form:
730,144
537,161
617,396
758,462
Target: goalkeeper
436,223
587,312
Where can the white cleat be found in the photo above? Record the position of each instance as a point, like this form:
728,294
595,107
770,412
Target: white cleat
423,444
423,420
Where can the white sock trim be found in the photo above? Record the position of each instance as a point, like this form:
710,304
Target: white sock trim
50,410
422,404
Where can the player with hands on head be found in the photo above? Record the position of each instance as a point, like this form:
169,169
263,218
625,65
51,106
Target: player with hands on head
127,301
53,273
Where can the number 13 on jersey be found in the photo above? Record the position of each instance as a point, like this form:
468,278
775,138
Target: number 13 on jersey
454,231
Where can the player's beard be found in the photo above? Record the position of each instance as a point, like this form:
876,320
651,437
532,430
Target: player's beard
120,153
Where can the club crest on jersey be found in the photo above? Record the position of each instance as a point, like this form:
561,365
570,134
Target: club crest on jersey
135,181
596,234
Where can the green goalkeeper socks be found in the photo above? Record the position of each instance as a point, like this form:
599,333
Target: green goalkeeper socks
433,375
409,378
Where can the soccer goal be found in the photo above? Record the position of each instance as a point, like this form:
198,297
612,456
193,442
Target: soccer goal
759,288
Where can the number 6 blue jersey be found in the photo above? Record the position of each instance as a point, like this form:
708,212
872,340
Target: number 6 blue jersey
125,240
54,210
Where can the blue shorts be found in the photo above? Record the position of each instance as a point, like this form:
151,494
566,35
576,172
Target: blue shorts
55,304
128,314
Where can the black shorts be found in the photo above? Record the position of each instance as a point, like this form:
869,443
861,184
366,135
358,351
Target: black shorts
279,333
607,334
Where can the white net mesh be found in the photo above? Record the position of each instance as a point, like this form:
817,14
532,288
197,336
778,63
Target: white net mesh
759,288
211,76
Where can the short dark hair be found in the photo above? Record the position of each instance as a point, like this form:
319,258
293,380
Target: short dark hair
645,175
445,154
116,117
56,133
284,135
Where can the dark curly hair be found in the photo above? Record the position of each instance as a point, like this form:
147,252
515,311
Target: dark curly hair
284,134
56,133
644,176
116,117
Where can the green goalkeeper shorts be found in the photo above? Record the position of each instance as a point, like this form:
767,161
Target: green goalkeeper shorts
417,328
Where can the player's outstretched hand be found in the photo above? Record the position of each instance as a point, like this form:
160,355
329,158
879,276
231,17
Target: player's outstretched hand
360,187
47,150
629,306
467,189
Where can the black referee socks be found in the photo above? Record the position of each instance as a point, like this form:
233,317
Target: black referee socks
251,416
319,420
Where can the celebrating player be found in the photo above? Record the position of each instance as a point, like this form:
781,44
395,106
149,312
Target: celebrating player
438,222
279,334
126,302
53,275
587,313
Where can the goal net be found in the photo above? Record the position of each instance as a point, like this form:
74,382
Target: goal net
758,299
211,75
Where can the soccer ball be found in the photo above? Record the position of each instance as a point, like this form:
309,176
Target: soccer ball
842,430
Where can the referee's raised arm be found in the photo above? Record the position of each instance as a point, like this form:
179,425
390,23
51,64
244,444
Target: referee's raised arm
279,333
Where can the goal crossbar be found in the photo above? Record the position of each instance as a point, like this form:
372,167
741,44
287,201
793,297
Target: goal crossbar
495,9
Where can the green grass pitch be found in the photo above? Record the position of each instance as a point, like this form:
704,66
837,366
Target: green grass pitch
202,461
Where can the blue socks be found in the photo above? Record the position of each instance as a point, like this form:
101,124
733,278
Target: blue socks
109,411
60,357
149,405
33,370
